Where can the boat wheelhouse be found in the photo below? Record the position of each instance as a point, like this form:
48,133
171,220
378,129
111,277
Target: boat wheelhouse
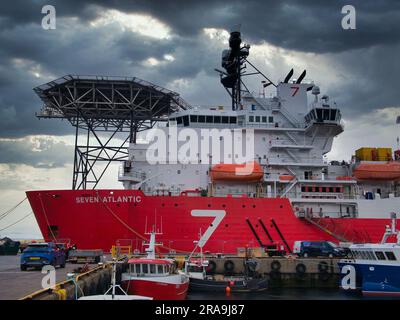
156,278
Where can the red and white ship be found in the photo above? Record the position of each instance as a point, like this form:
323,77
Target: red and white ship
291,193
156,278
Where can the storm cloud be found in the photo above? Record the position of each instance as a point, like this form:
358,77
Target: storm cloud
180,43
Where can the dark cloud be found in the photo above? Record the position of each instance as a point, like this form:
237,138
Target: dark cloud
307,25
39,152
30,56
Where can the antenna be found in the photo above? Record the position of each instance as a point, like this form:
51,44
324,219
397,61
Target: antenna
233,62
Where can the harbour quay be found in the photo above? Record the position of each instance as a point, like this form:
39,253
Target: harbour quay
281,272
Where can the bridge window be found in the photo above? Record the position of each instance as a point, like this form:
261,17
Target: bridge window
202,119
390,255
264,119
159,269
179,120
319,115
153,268
193,118
145,268
326,114
232,119
209,119
333,115
251,118
271,119
257,118
217,119
380,255
225,119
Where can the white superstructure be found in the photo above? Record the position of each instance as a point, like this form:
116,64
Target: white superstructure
291,131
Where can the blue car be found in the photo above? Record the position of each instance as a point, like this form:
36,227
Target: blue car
38,255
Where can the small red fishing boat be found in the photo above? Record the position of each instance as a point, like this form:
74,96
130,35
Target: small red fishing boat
153,277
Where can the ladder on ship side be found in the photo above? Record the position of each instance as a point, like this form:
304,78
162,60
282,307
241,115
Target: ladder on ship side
292,120
289,187
326,230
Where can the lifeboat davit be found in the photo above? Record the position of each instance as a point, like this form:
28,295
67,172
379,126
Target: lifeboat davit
248,172
377,171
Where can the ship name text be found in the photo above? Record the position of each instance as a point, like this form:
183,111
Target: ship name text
108,199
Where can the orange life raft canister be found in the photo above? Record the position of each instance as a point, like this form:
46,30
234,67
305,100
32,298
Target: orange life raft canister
249,172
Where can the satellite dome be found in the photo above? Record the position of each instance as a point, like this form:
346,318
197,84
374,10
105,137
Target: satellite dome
315,90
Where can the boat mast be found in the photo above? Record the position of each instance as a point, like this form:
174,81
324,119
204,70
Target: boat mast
233,60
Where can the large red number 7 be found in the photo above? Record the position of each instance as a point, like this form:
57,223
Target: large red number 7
295,90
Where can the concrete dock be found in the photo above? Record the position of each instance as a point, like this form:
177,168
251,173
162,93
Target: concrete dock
281,272
15,284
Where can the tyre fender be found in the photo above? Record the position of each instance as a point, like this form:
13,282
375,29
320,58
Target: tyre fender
229,266
275,265
323,266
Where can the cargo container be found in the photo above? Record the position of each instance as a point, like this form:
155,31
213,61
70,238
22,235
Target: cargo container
384,154
364,154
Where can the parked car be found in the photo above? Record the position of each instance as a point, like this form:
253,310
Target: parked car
38,255
318,249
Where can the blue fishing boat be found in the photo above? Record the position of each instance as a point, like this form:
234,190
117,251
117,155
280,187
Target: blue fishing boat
374,268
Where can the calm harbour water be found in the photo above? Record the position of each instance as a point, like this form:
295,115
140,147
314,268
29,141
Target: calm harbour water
284,294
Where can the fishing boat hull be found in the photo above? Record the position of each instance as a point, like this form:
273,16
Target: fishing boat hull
159,289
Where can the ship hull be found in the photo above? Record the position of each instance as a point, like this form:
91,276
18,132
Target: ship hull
99,219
